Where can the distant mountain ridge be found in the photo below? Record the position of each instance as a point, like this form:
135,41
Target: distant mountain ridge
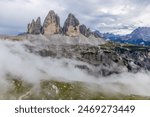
140,36
141,33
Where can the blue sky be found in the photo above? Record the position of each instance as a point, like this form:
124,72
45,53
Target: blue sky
117,16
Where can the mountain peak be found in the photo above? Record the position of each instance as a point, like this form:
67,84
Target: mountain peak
51,12
84,30
71,15
38,20
71,26
51,23
141,33
51,26
35,27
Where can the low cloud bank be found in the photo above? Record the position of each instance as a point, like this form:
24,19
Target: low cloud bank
16,60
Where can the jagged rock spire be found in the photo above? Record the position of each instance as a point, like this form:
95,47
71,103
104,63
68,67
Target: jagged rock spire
51,24
84,30
71,26
35,26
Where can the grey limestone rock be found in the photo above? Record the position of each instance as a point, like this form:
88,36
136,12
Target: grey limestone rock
35,27
84,30
71,26
51,24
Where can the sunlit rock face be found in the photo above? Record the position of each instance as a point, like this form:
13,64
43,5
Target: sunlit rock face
71,26
51,24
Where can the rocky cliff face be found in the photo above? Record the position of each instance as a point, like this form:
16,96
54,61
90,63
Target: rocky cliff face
84,30
71,26
35,27
100,60
51,24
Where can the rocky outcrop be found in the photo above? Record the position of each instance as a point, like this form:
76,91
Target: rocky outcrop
97,34
71,26
105,60
35,27
84,30
51,24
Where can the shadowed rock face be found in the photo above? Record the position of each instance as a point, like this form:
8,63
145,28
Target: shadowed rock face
35,27
51,24
71,26
84,30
